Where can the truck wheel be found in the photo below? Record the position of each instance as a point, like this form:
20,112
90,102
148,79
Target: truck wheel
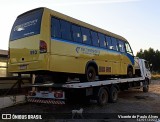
145,86
102,98
89,76
113,95
130,72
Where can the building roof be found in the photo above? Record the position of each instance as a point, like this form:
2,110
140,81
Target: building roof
3,52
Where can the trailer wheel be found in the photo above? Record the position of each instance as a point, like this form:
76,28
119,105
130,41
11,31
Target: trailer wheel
113,94
89,76
145,86
102,98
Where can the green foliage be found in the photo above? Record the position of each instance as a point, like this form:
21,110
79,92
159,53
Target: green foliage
152,56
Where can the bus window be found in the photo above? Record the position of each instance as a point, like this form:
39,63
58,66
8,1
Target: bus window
102,40
86,35
76,33
65,30
128,49
114,44
109,42
94,37
55,30
121,46
27,24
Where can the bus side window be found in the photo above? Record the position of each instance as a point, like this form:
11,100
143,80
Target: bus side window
55,28
109,42
94,37
121,46
114,44
76,33
65,30
128,49
102,40
86,35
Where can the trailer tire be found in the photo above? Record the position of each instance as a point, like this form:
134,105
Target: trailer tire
145,86
102,97
113,95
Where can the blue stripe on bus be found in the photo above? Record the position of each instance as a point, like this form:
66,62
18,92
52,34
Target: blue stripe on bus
99,48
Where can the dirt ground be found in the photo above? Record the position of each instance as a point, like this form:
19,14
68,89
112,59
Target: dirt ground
132,102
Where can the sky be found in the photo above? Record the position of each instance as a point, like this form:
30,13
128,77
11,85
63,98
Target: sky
136,20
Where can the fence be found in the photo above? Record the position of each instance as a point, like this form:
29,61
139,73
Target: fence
14,85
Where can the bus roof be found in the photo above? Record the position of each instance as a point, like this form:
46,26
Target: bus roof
78,22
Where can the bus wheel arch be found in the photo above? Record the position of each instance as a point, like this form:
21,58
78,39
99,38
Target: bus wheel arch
130,71
92,63
91,70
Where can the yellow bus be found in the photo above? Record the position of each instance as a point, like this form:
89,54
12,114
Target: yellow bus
46,42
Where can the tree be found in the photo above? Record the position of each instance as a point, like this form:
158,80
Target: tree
152,56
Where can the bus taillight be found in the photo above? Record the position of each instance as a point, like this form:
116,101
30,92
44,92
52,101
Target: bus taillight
58,94
43,46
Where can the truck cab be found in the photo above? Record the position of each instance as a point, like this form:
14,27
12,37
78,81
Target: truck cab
142,68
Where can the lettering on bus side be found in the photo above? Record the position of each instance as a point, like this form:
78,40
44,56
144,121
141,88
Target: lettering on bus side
85,50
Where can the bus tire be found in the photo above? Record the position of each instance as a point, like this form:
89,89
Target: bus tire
113,95
130,72
89,76
102,97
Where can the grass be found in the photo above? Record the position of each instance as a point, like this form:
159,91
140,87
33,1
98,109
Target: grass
155,76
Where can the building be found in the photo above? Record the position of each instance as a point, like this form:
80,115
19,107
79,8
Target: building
3,63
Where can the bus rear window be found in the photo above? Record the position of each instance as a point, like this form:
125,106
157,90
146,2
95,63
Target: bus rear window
27,24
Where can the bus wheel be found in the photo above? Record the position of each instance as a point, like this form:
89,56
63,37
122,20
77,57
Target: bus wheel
113,94
130,72
102,97
89,76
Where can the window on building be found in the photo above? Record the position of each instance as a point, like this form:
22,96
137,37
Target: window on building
3,69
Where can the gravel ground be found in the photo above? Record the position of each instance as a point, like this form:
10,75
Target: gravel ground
132,102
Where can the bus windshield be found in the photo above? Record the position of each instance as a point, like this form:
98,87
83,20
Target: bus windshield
27,24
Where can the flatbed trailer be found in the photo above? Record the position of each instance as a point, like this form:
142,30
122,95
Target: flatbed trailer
103,91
